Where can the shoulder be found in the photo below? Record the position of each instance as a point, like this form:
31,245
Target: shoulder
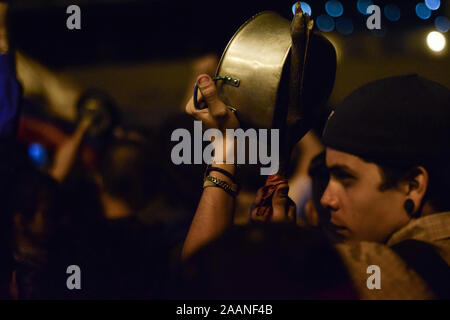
366,260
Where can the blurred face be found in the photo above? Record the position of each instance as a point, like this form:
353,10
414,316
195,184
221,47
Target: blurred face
359,209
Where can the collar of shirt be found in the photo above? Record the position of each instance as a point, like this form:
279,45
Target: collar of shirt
428,229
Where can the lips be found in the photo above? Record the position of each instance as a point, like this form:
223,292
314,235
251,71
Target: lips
339,229
336,233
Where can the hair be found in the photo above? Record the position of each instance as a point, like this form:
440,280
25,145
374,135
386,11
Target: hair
129,173
438,183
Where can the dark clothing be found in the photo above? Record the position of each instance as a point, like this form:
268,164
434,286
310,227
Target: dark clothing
119,259
137,258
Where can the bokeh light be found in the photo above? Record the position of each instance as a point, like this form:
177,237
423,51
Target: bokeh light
442,23
344,25
392,12
436,41
433,4
334,8
325,23
422,11
306,8
362,6
37,154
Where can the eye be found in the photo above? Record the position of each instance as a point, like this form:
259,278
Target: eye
347,182
343,178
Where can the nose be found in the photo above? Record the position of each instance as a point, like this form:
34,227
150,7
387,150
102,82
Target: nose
329,200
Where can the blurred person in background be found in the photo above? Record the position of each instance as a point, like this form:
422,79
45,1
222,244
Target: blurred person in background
33,205
133,254
57,220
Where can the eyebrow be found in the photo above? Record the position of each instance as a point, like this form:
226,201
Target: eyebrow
341,169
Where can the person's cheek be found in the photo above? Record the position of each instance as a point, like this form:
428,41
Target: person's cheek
354,207
369,216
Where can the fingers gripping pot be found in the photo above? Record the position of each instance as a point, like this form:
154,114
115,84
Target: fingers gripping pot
253,73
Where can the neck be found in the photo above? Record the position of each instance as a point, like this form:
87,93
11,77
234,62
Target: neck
427,210
115,208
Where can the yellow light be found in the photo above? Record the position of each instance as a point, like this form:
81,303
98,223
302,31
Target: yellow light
436,41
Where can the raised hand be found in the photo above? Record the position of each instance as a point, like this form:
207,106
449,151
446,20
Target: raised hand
217,115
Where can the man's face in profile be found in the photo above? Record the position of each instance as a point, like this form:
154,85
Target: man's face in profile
359,209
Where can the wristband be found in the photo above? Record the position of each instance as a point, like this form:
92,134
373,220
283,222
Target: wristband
222,171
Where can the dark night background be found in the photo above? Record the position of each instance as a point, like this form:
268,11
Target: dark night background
141,51
129,30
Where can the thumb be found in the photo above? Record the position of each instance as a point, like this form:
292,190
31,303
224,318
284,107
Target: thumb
216,107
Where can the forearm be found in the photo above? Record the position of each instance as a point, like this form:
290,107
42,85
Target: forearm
66,154
64,160
213,216
216,208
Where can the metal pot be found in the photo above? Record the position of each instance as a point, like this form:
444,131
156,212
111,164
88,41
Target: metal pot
254,70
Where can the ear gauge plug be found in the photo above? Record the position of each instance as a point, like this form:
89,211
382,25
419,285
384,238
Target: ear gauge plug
409,207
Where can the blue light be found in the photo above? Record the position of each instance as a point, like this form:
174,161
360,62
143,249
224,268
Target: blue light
325,23
37,154
442,24
305,8
392,12
344,26
422,11
362,6
433,4
334,8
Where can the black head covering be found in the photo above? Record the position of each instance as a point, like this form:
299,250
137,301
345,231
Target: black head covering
396,120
